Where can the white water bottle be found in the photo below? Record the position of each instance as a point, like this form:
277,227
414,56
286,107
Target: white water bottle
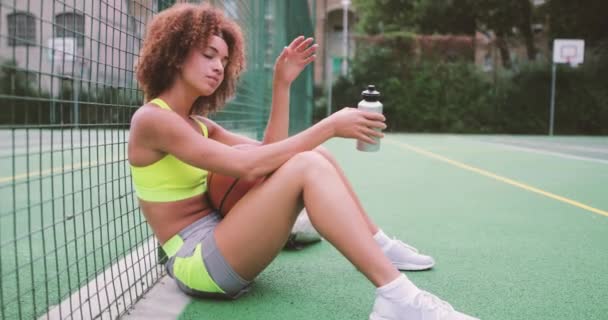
370,103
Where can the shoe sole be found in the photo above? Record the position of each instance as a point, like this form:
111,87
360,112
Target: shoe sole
413,267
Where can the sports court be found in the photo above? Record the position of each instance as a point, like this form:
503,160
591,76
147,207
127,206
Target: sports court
518,226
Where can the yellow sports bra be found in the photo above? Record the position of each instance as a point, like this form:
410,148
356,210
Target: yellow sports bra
169,179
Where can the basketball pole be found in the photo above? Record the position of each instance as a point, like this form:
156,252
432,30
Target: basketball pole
552,106
570,51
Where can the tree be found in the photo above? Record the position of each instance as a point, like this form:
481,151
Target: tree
446,17
382,16
584,19
451,17
524,24
500,17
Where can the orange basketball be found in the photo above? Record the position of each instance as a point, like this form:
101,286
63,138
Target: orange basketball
225,191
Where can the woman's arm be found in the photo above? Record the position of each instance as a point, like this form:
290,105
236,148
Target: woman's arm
167,132
278,121
289,64
277,128
219,134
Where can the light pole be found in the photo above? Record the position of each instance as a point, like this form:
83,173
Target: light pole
345,4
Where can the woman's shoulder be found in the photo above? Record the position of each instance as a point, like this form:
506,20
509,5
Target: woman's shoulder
149,116
210,124
148,111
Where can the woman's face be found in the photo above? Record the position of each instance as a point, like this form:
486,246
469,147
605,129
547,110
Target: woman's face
203,68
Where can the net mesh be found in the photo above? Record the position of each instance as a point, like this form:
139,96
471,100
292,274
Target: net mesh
73,243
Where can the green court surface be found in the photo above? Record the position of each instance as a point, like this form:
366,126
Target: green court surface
518,227
67,212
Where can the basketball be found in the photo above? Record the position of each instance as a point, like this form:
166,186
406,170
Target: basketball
224,191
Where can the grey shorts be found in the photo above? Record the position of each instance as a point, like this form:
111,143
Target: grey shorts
198,266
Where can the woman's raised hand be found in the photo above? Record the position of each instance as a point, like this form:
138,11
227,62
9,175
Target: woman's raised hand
356,124
293,59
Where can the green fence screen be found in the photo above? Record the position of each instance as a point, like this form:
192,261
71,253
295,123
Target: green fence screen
73,243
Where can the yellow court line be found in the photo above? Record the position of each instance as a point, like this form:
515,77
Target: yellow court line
499,178
67,167
46,172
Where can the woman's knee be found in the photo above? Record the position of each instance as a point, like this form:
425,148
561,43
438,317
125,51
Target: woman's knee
325,153
322,150
309,162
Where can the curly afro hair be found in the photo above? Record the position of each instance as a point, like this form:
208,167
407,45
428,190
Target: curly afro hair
170,36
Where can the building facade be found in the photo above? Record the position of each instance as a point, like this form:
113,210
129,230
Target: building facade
57,42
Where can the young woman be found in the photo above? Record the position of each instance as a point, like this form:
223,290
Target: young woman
190,61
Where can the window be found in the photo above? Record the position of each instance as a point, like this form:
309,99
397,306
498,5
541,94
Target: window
70,25
21,29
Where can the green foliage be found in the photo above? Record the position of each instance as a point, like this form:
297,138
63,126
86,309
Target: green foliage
431,96
379,16
584,19
16,81
446,17
441,96
426,92
25,103
19,83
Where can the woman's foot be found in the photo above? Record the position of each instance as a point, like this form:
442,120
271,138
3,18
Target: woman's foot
400,299
402,255
423,306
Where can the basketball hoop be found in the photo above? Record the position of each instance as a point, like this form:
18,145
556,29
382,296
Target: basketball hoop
61,50
569,54
572,63
569,51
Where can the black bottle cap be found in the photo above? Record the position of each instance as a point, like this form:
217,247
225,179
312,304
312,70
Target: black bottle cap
371,94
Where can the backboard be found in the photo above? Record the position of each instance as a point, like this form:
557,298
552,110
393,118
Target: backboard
571,51
61,49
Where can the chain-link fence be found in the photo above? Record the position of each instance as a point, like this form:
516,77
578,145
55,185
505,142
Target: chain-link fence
73,243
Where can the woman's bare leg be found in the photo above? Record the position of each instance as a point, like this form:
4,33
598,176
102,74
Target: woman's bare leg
373,228
257,227
402,255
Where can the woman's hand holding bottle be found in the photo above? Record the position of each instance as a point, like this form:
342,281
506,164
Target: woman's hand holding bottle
357,124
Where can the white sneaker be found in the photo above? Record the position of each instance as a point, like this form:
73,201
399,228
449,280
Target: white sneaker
405,257
424,306
303,232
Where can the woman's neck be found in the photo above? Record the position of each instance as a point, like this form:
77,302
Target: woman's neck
180,98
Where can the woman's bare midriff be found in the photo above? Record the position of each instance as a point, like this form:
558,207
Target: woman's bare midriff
168,218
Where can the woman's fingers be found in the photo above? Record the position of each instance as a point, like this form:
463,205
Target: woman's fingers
374,116
283,53
310,50
301,49
303,45
375,124
296,42
365,138
374,133
310,59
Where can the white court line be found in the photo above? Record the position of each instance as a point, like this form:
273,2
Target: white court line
555,144
113,290
165,301
544,152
